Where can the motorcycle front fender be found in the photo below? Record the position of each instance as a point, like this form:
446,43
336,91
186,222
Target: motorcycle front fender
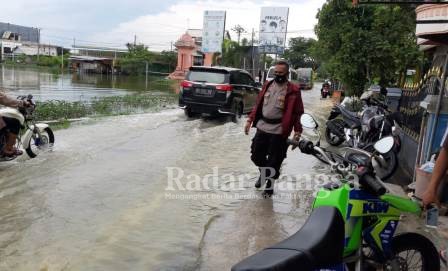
26,138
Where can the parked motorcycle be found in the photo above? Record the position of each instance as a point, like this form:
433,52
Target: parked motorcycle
352,226
37,136
362,130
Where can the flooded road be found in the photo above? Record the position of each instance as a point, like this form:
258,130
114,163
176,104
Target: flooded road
45,85
103,200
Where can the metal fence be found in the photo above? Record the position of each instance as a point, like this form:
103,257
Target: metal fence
413,94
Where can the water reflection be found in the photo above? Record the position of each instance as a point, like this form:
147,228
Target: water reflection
44,85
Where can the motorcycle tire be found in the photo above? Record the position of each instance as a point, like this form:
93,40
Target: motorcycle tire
333,139
48,139
392,164
405,243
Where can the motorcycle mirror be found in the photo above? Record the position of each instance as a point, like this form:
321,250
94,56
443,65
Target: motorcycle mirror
384,145
308,121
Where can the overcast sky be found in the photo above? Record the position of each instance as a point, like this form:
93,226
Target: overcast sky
156,23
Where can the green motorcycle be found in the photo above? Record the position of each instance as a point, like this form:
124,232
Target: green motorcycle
353,224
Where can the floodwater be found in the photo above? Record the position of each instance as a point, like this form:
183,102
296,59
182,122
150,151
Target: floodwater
44,85
103,200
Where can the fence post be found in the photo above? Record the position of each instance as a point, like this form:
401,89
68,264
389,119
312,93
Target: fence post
146,79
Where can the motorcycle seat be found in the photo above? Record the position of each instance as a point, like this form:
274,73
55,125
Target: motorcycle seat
318,244
359,159
351,117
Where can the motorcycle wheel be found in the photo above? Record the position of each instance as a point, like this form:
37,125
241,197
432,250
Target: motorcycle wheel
38,144
392,165
332,138
413,251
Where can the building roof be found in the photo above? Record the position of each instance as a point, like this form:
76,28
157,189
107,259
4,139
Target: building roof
89,58
102,49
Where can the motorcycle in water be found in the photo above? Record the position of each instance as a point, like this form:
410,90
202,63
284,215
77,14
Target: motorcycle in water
352,227
37,136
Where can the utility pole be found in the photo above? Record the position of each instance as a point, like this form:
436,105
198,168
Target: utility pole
253,50
135,40
146,72
264,67
169,62
62,59
38,43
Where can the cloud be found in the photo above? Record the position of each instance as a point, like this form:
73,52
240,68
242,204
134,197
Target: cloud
159,30
63,20
155,23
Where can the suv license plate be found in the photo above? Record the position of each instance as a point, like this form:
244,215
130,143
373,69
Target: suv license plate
204,91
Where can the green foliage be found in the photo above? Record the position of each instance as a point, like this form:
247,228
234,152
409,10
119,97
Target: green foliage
53,62
299,53
238,29
49,61
359,45
138,56
233,53
106,106
168,58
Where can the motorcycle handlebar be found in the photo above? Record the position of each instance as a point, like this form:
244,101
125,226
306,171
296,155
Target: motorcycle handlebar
27,98
376,187
305,146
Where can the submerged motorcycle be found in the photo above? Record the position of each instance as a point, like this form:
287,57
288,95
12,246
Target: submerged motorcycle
36,138
352,226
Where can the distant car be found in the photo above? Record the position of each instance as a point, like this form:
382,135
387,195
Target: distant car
218,91
305,78
293,77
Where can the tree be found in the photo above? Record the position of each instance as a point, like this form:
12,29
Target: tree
169,58
361,45
238,29
138,51
299,53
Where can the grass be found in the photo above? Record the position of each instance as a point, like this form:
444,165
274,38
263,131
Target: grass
106,106
63,124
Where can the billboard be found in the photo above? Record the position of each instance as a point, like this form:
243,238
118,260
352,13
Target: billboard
273,28
213,31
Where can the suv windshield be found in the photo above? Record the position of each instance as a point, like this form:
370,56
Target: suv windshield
207,77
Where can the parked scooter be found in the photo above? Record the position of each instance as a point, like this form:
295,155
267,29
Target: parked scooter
352,226
37,137
363,129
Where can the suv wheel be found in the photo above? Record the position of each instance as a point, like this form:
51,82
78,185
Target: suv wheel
189,113
237,110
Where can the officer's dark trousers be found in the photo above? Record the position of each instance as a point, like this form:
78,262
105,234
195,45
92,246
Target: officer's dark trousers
268,153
